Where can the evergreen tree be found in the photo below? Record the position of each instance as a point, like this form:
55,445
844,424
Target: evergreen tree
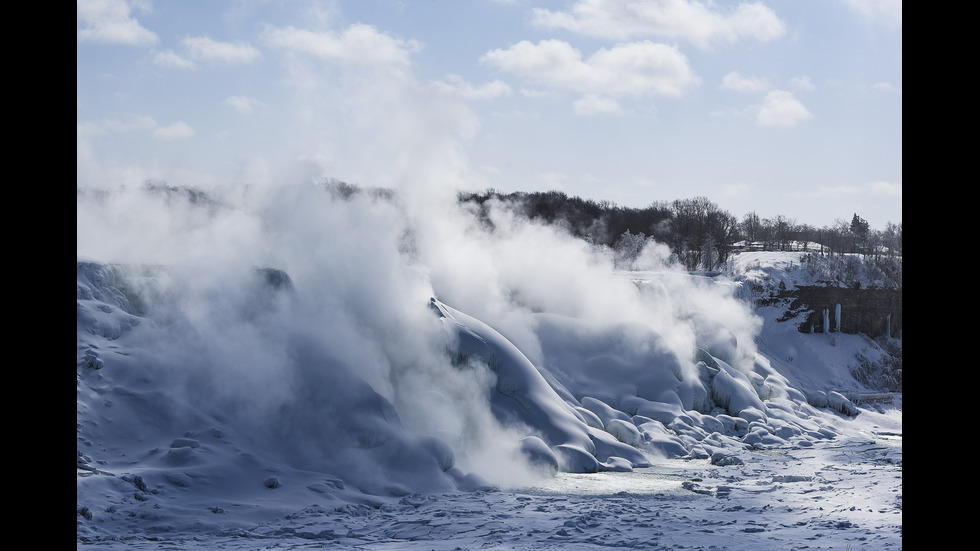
859,226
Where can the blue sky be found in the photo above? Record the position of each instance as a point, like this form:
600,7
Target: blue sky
776,107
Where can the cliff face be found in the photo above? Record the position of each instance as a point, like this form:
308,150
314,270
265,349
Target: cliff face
861,310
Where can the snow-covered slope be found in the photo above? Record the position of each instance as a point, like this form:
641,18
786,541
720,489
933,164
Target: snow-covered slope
210,400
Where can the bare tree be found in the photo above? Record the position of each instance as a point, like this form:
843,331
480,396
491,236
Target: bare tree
751,227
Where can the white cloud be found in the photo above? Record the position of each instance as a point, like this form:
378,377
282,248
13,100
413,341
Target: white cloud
735,81
878,189
701,24
456,85
106,127
737,189
176,131
170,59
202,47
554,180
727,112
241,104
831,192
888,12
136,123
592,104
536,94
636,68
886,87
358,43
110,22
885,189
781,108
802,83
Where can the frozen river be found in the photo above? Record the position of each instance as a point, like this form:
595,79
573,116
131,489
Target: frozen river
842,494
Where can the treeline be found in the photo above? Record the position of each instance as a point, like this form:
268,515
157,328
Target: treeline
701,236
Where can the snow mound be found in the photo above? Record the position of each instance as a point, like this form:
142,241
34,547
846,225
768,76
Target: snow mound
178,412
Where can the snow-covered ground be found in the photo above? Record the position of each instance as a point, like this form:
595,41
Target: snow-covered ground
343,374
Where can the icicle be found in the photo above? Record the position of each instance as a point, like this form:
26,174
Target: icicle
826,320
888,326
837,314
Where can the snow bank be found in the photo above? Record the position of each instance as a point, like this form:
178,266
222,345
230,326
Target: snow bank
627,397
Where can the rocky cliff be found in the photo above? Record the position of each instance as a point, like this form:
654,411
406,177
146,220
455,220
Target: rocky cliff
874,312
